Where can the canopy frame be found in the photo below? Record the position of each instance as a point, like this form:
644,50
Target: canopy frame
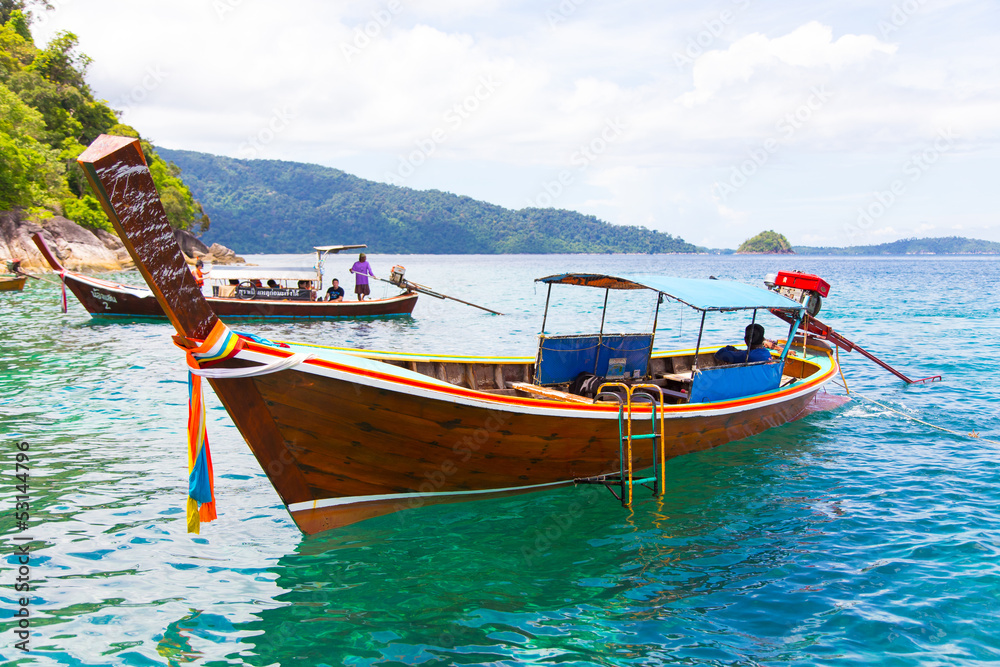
686,292
322,251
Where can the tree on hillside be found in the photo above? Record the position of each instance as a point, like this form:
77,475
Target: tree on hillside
8,7
30,171
766,242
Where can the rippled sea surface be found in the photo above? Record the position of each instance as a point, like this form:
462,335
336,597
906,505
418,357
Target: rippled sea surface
855,536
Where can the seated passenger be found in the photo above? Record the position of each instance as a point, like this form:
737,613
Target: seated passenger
336,292
272,283
755,351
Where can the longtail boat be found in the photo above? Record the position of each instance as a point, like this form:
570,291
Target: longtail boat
106,298
345,436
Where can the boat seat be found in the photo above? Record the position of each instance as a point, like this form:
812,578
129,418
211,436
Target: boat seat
548,392
682,395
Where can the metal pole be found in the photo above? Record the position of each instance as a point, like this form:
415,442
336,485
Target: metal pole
791,334
600,336
697,347
604,311
652,339
546,315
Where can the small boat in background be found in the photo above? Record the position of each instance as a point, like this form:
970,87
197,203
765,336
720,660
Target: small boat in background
12,281
347,435
244,299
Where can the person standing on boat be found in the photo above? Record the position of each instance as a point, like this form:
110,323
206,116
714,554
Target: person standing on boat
756,349
336,292
199,274
362,270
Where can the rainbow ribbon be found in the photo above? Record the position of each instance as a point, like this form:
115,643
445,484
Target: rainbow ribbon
220,344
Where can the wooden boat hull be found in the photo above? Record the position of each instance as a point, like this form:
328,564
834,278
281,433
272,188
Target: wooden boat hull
104,298
370,443
12,284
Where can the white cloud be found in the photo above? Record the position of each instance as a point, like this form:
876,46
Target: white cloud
225,77
810,46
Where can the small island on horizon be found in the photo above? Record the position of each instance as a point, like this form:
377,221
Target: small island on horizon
766,243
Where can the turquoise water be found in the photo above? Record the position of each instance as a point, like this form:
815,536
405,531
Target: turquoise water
852,537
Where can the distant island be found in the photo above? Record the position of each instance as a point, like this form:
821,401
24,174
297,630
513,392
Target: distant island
272,206
948,245
766,243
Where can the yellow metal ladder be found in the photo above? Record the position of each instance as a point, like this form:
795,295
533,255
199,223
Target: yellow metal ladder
624,477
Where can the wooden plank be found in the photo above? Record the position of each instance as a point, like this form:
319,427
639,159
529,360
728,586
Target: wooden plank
547,392
676,377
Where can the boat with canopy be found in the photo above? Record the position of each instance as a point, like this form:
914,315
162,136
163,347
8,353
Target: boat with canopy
237,293
346,435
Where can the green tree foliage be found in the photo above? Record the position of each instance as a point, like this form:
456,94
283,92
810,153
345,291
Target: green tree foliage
30,172
766,242
271,206
19,22
49,116
87,211
8,7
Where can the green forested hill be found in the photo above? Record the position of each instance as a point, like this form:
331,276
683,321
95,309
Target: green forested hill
948,245
48,115
270,206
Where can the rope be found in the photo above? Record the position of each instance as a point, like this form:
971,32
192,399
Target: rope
840,368
252,371
31,275
973,434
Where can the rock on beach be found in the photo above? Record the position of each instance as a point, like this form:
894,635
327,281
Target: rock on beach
83,249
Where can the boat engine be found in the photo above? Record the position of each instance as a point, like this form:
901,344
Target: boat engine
396,277
806,288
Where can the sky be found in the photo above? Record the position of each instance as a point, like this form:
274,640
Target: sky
834,123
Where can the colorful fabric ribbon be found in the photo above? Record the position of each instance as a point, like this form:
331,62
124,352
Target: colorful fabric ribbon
62,280
220,344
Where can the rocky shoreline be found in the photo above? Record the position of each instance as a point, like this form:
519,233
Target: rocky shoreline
83,249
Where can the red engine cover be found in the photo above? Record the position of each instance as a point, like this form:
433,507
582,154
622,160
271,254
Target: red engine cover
806,281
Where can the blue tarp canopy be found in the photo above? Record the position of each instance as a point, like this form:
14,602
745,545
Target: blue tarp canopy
698,293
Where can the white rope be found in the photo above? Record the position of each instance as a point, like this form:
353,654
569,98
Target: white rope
973,434
252,371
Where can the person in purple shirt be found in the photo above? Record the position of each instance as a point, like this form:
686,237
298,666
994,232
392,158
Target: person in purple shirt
362,270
